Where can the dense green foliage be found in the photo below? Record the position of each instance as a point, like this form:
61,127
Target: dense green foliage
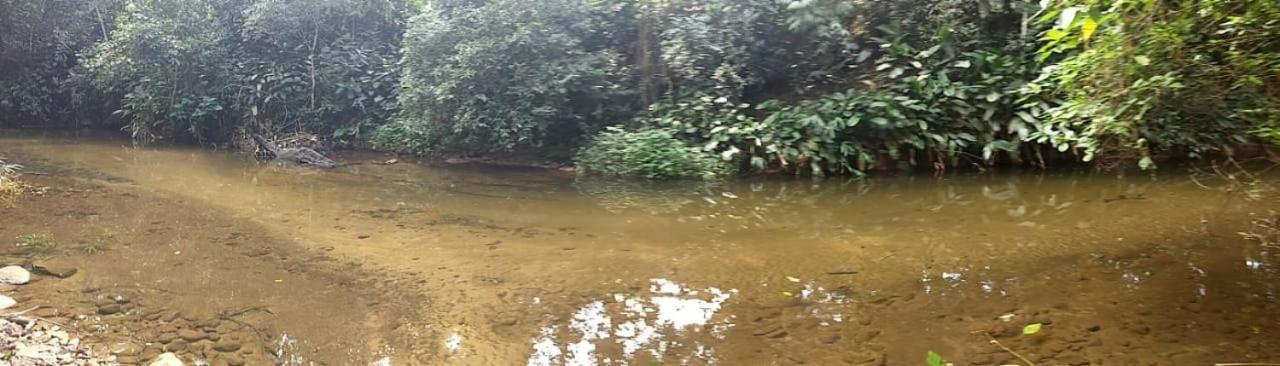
201,70
1163,77
933,102
795,86
39,79
168,60
650,153
504,75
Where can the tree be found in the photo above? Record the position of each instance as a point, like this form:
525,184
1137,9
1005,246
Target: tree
504,75
323,66
1145,78
171,60
39,45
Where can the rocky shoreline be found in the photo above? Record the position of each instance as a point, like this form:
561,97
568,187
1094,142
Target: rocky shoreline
29,339
124,277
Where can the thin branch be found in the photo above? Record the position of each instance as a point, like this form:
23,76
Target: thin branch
1006,349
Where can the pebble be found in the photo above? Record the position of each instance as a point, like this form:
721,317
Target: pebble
166,359
211,323
226,345
126,349
7,302
191,335
867,335
166,337
109,309
150,352
176,345
14,275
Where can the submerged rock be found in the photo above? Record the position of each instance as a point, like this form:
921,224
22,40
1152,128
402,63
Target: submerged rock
226,345
55,268
191,335
109,309
14,275
166,359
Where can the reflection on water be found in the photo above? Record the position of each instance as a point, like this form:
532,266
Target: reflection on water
535,267
653,324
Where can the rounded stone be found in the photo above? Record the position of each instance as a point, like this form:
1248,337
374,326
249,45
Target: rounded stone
109,309
166,359
191,335
176,345
226,345
14,275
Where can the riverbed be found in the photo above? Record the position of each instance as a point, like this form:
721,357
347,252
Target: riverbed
470,265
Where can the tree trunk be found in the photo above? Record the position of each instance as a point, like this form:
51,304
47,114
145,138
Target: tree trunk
101,24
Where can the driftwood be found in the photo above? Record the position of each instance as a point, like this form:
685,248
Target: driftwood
292,155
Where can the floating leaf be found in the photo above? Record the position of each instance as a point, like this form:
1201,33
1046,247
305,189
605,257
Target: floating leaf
793,279
1032,328
1006,317
788,294
934,359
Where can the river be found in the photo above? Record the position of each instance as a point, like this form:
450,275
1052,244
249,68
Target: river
524,266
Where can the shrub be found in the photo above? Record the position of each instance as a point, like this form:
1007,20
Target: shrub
170,60
935,106
1146,78
650,153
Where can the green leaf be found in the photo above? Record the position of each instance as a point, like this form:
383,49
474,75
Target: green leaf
1088,27
1026,116
1054,35
934,359
1032,328
1142,60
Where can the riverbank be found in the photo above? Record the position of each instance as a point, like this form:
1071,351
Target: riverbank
139,274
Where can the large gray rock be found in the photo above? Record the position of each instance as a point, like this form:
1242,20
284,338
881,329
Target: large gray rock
14,275
166,359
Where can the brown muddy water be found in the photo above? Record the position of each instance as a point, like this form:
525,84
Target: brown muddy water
413,264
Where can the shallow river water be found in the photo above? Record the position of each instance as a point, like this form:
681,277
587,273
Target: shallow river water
517,266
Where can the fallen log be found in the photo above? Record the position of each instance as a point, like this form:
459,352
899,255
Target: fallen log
291,155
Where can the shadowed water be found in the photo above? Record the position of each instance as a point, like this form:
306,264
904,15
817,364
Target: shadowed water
541,268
